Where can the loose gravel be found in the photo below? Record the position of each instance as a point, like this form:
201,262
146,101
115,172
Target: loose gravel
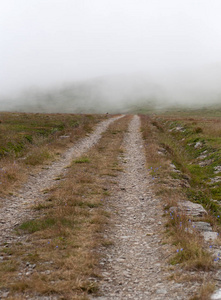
136,266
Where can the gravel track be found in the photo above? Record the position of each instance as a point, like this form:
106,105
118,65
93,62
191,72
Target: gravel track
17,208
136,267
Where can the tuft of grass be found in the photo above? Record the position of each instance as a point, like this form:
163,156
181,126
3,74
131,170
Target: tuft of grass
89,287
42,206
82,160
206,291
38,156
37,225
198,130
189,252
20,286
8,266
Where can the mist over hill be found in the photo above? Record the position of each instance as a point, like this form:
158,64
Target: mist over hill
123,93
109,56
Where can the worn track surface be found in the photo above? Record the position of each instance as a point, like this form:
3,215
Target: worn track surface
136,267
18,208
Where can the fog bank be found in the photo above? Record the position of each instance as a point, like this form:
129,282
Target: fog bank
124,93
102,55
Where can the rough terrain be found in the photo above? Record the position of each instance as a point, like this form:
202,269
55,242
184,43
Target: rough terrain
18,207
136,267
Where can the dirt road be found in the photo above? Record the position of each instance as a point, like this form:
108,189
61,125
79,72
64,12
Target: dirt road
136,266
16,209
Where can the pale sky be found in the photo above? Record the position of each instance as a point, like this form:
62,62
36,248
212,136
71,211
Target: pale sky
46,42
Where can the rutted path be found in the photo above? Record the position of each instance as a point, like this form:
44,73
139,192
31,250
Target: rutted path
17,208
136,267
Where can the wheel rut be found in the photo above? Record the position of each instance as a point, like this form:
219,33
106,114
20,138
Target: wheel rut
135,266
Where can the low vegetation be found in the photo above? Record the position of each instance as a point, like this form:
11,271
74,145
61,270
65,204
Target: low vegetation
32,140
56,255
184,161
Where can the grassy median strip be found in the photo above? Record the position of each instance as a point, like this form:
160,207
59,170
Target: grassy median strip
56,255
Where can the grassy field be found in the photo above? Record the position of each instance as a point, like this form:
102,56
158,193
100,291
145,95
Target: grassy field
28,141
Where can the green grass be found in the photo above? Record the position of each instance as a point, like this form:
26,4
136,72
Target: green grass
30,140
20,130
37,225
82,160
178,137
180,146
193,254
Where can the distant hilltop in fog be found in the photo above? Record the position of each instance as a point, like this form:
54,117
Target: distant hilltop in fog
122,94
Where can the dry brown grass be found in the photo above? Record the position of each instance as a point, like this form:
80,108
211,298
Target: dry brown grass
190,252
206,291
188,249
11,174
38,156
28,141
62,239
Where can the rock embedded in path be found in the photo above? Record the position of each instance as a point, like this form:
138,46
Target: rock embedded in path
205,163
202,226
192,209
198,145
210,235
217,169
216,179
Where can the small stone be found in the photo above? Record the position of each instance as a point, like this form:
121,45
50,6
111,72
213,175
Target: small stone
216,179
202,156
202,226
64,136
5,295
151,220
198,145
192,209
28,273
161,291
217,169
205,163
216,295
173,166
210,236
